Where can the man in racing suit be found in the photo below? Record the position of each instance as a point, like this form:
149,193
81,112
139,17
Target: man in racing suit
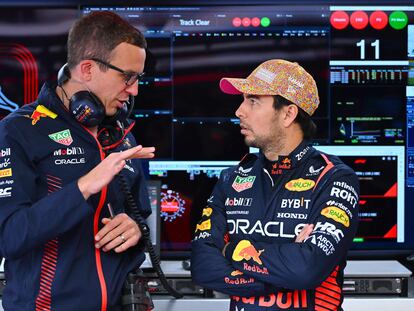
277,227
66,238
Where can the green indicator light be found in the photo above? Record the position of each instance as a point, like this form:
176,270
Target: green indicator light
265,21
358,240
398,20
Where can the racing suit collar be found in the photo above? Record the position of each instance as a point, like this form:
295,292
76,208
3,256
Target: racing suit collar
287,162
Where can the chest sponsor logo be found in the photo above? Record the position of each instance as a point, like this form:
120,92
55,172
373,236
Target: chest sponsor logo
63,137
69,151
295,203
237,212
268,229
243,183
6,172
292,216
5,152
238,202
5,163
41,112
300,185
314,172
336,214
5,192
73,161
330,229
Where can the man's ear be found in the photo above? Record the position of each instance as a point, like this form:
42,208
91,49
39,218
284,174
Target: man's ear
85,69
291,111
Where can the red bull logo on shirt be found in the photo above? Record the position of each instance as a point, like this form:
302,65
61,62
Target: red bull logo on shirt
245,250
41,112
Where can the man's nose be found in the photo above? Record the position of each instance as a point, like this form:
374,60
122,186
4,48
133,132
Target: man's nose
132,89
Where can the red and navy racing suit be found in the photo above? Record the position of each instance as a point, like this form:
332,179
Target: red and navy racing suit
47,228
260,216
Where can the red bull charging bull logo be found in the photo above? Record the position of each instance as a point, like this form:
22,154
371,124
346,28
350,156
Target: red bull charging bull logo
245,250
41,112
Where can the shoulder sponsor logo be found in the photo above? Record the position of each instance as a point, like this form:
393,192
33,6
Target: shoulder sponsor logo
299,184
70,161
5,163
344,185
5,192
330,229
336,214
339,205
6,173
205,225
202,235
41,112
243,183
5,152
345,195
243,172
6,182
63,137
207,211
238,202
323,243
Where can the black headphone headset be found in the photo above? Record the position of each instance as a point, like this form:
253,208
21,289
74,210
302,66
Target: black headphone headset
87,108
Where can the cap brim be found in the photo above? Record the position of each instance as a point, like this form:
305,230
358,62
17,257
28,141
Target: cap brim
243,86
232,85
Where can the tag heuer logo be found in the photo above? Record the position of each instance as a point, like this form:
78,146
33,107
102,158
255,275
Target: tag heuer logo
62,137
242,183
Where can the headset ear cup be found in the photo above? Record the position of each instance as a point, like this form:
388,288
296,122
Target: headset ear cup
63,75
87,108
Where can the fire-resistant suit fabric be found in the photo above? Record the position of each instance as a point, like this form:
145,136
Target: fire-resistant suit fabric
259,211
47,228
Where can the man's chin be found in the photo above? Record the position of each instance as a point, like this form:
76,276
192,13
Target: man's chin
250,143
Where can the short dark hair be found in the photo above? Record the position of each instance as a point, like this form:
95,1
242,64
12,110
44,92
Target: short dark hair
97,34
304,120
